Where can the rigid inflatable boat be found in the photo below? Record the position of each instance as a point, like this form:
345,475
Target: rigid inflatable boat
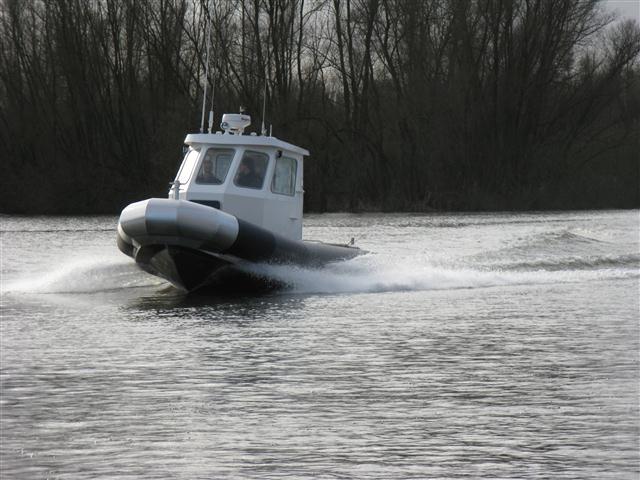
236,202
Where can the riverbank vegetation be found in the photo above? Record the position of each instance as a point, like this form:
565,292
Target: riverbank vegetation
404,104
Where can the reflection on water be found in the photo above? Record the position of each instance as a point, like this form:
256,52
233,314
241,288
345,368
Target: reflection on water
508,349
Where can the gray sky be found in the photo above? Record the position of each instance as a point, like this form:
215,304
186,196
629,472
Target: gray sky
626,8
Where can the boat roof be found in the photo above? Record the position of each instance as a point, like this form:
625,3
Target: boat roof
220,138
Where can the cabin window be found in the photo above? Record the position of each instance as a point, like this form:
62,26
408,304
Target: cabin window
188,164
284,177
215,166
251,170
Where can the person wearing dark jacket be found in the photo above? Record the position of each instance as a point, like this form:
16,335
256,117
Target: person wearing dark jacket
247,175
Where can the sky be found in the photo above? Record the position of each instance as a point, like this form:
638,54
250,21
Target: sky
626,8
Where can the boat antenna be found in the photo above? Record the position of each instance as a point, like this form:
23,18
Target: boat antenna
213,94
206,68
264,95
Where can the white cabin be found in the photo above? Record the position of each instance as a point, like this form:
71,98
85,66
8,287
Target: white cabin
256,178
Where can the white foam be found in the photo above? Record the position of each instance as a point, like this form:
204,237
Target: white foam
379,274
368,273
86,274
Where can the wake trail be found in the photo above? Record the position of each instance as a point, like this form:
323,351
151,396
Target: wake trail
372,274
86,274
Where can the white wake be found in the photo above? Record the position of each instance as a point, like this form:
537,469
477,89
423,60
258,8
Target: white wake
373,273
86,274
365,274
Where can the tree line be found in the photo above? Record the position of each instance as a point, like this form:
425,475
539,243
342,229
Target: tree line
404,104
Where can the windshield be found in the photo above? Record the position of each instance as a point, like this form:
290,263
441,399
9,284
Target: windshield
251,170
215,166
188,164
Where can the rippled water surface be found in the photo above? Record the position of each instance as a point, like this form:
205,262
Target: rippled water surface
478,346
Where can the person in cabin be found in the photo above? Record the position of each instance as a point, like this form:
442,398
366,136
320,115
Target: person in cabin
247,175
206,174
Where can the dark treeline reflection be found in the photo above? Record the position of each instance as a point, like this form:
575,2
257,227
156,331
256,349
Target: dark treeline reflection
404,104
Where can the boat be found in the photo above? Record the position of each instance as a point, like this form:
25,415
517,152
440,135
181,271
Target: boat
236,202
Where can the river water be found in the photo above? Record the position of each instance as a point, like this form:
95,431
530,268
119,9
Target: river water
466,345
